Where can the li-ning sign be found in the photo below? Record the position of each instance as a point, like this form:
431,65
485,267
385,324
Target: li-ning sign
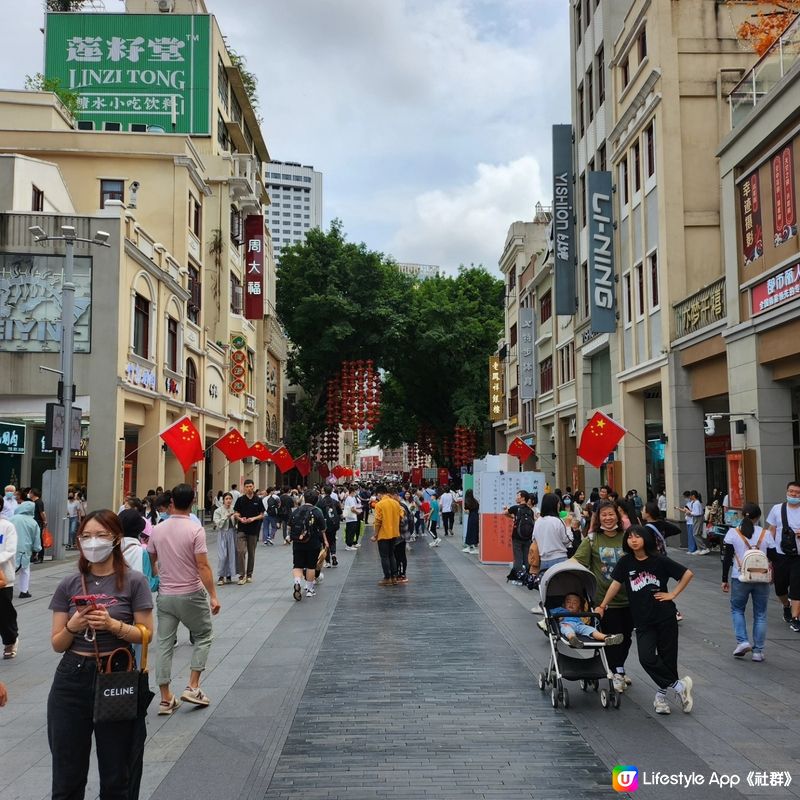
563,228
601,254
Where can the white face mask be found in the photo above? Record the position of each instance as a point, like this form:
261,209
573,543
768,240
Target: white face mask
96,550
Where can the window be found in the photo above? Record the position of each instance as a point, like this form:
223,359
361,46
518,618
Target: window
579,21
111,190
512,336
650,149
513,403
588,14
601,379
566,364
223,140
194,303
625,72
222,84
581,121
172,344
37,199
653,260
191,382
141,326
236,226
601,76
512,281
638,272
582,198
236,295
546,375
636,166
623,181
626,292
546,307
585,285
590,93
642,45
601,158
195,216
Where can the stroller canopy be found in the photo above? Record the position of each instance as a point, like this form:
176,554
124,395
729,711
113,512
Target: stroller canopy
567,577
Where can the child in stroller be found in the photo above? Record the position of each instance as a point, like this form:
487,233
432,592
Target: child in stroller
573,625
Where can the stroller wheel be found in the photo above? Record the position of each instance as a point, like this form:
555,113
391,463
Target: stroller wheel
583,684
565,698
604,698
542,681
554,697
615,699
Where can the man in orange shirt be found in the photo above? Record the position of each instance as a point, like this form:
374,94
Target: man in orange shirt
387,533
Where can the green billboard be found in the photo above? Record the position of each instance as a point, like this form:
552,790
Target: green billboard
134,69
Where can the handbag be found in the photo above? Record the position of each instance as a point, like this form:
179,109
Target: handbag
116,694
47,538
321,558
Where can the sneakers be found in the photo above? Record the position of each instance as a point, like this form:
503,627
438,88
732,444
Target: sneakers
787,613
703,552
679,616
195,696
10,650
320,577
385,582
269,543
24,595
573,640
221,582
466,549
242,581
685,695
614,638
334,561
249,579
435,543
167,707
619,682
402,579
328,565
347,547
758,656
742,650
297,592
310,591
473,550
660,704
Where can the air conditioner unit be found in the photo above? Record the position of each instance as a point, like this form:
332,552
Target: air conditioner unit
166,6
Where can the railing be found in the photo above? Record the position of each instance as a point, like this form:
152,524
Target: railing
768,70
701,309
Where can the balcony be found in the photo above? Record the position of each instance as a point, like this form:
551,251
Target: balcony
767,72
243,181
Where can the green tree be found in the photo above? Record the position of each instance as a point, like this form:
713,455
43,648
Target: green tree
38,83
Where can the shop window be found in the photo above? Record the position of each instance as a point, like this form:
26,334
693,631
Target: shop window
141,326
191,382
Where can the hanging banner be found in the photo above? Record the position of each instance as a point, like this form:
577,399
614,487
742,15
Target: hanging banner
601,254
496,399
750,208
527,356
784,215
563,220
254,267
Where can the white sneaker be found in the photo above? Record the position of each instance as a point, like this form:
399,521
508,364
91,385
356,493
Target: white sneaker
310,592
347,547
466,549
473,550
703,552
661,705
742,650
686,695
619,682
320,577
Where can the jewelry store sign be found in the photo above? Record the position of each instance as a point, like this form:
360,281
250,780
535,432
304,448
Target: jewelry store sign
496,398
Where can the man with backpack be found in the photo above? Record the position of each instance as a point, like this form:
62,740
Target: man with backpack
388,513
332,512
783,522
272,504
307,534
285,510
522,531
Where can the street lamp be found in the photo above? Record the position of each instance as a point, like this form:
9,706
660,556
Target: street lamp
67,344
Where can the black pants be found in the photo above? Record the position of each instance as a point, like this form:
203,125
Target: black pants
388,560
8,616
332,542
658,651
70,707
618,620
400,556
351,532
448,521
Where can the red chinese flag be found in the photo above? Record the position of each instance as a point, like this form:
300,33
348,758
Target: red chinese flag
283,459
233,445
338,471
416,476
260,451
323,470
599,438
520,450
183,439
303,464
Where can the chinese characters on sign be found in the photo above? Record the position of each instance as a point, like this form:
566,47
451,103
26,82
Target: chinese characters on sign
750,207
783,208
254,267
527,359
701,309
12,438
496,398
776,290
238,367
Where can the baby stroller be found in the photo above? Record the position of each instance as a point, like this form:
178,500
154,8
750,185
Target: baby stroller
587,665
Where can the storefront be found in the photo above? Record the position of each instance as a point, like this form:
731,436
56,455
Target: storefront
12,447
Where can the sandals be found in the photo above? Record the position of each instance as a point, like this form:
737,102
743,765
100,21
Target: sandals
167,707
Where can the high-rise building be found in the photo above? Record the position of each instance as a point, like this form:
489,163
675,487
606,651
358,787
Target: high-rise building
296,194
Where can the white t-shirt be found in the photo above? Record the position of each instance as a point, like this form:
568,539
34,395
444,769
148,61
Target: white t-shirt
351,503
696,508
73,506
552,537
662,502
792,517
732,537
446,502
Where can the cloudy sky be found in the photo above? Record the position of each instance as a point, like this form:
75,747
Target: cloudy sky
430,119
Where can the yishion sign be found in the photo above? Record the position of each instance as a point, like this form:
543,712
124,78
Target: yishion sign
563,228
151,69
602,308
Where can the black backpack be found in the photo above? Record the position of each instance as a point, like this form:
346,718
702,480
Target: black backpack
788,536
287,505
302,525
524,524
330,511
406,522
272,506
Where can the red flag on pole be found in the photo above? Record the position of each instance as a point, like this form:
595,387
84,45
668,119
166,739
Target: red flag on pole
338,471
283,459
260,451
599,438
323,470
303,464
233,445
183,439
520,450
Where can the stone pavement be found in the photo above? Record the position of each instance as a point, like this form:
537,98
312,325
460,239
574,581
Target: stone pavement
419,691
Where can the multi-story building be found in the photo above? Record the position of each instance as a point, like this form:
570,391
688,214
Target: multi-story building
172,169
295,192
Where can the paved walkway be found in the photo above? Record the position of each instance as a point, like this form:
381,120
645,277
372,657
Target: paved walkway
419,691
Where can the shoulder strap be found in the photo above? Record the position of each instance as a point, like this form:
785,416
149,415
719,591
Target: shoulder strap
94,635
784,517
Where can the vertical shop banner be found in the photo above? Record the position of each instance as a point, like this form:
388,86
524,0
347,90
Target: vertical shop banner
563,220
496,398
602,306
254,267
784,213
750,208
527,355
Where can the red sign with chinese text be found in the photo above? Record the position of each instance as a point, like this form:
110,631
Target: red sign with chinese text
775,290
784,213
750,207
254,267
735,464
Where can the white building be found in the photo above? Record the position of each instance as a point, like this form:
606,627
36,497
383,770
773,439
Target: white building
295,192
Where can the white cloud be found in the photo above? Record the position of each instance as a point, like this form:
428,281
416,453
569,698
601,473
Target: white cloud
469,223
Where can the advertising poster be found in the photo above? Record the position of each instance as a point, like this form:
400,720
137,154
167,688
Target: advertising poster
750,208
784,213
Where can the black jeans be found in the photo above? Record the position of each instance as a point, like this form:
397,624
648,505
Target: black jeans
351,532
388,561
618,620
658,651
331,542
8,616
70,707
448,521
400,556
